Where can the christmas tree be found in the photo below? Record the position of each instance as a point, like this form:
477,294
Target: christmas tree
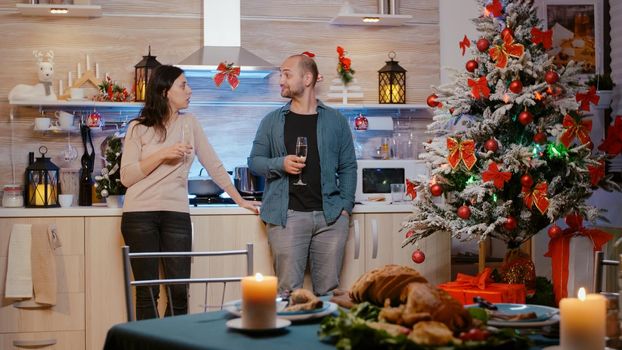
511,152
109,182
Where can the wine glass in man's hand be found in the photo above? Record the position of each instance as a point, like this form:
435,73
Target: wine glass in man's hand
301,151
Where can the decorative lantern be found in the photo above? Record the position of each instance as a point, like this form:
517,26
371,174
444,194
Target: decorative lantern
392,82
42,184
142,73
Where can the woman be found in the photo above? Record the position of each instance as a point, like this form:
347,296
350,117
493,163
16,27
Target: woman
158,151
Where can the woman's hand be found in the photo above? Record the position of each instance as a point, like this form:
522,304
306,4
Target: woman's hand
253,206
293,164
176,152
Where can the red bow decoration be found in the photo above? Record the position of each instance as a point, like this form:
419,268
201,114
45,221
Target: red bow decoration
613,142
495,8
480,280
461,150
537,197
586,98
464,44
308,54
573,128
411,189
539,37
597,172
501,52
479,87
497,177
559,251
227,70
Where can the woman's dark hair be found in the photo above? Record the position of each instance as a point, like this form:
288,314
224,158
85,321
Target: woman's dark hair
156,108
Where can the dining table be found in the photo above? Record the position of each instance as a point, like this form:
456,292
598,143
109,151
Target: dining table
208,331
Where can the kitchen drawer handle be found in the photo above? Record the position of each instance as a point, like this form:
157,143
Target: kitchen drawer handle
357,240
33,343
374,238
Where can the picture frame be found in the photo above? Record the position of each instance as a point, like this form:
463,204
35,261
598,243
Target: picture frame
577,31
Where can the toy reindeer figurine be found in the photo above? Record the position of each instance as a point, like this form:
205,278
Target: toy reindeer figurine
43,90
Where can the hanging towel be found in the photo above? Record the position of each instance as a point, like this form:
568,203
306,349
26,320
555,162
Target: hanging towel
44,241
18,283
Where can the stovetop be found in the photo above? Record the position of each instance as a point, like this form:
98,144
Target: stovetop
217,200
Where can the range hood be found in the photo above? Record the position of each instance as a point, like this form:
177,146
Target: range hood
222,42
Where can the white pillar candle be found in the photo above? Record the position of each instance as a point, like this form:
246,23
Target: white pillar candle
97,70
88,63
79,70
69,80
582,321
60,87
259,301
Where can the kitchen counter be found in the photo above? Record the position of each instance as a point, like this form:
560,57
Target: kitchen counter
224,209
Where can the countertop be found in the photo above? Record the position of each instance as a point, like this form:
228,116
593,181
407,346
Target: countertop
224,209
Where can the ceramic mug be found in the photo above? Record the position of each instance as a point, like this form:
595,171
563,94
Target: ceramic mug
42,123
65,120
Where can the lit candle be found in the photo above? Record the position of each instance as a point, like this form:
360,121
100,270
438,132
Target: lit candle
88,63
69,80
259,301
79,70
40,195
582,321
97,70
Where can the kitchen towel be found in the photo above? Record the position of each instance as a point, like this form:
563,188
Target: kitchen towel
44,241
19,272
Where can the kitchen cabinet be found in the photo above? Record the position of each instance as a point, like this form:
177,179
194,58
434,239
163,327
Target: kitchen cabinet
60,326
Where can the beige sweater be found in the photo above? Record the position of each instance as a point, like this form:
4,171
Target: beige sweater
166,188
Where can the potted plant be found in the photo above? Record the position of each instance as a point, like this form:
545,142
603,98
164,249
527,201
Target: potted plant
604,88
108,185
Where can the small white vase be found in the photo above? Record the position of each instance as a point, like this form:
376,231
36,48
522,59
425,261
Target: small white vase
115,201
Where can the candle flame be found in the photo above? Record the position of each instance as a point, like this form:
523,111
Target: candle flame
581,294
259,277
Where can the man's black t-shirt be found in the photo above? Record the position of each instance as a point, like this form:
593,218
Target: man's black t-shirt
308,197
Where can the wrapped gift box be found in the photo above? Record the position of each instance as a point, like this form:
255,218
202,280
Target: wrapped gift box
493,292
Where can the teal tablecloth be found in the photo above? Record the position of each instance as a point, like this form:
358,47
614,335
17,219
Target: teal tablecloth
208,331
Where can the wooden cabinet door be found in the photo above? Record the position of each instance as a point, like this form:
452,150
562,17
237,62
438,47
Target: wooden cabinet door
354,257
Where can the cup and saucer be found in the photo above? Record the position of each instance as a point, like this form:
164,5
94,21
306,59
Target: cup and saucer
280,324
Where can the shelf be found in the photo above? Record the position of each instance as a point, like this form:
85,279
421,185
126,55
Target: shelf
378,106
65,10
370,19
85,103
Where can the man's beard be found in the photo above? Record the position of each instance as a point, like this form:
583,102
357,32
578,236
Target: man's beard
291,93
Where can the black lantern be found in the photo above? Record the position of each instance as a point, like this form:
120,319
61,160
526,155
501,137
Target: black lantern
42,185
392,82
142,73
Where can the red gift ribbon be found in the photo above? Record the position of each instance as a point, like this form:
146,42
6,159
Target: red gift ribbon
464,44
587,97
581,130
612,144
537,197
479,87
479,281
461,151
500,53
498,178
542,37
495,8
228,71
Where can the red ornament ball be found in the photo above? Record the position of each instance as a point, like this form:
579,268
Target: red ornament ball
436,190
516,86
551,77
526,180
554,231
410,233
418,256
464,212
511,224
540,138
525,117
491,145
506,31
557,90
471,65
482,44
431,101
574,220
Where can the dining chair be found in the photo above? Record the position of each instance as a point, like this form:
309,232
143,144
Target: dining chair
127,275
599,266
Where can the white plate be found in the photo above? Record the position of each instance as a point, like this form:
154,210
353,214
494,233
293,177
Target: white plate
233,307
540,310
236,324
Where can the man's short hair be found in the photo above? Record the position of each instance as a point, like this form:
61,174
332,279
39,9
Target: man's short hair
308,65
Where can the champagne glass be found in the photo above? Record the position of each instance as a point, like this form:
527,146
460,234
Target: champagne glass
301,151
185,135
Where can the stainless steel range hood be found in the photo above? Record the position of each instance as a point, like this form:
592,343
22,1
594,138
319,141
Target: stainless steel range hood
222,42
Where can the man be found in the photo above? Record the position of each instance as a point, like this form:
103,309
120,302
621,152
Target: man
309,221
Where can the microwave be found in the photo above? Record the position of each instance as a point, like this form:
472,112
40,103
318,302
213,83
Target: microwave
374,177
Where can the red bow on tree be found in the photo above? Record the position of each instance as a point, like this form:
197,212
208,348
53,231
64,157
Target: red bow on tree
573,128
227,70
308,54
479,87
495,8
411,189
537,197
501,52
586,98
499,178
613,142
597,172
461,150
539,37
464,44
